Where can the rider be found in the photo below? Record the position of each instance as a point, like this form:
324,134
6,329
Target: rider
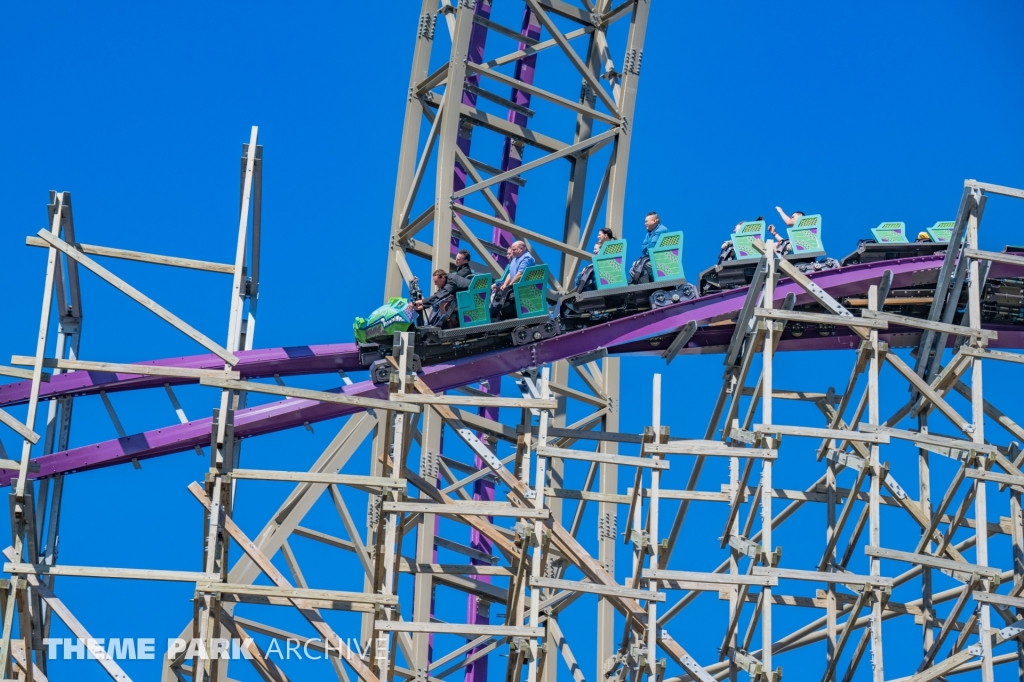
727,252
785,246
640,272
504,273
790,220
604,234
519,260
654,228
446,285
585,280
462,273
443,296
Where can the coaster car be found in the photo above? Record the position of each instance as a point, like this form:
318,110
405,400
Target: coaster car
522,313
890,242
803,247
607,291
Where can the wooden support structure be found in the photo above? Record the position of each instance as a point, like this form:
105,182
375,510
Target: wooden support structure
490,497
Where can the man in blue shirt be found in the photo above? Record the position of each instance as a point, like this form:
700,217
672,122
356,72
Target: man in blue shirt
640,272
521,259
654,228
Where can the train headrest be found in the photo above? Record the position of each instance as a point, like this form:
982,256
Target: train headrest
942,231
610,265
667,257
890,233
743,240
529,292
805,236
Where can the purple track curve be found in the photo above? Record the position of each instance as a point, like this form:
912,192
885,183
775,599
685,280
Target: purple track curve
630,334
265,362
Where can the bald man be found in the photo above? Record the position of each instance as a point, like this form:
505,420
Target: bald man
521,259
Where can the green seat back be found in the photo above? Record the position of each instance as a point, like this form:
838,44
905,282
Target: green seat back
667,257
890,233
941,232
475,302
742,241
529,292
805,236
610,265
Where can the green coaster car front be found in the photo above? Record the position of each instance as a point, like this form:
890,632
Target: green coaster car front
397,315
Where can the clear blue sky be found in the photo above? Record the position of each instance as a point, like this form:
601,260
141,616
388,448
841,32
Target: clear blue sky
863,113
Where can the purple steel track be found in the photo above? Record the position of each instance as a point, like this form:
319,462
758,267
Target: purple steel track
265,362
630,334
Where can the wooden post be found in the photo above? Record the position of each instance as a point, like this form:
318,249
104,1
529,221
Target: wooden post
766,465
978,436
652,529
223,448
877,667
925,501
607,525
537,564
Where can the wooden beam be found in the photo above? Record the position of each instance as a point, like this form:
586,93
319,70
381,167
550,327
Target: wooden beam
68,618
941,327
321,396
467,508
476,401
20,373
820,318
926,390
270,600
996,477
458,629
124,368
137,296
764,580
156,259
116,573
593,588
933,561
307,610
990,188
408,566
823,577
315,477
987,354
711,448
296,593
815,432
22,430
932,439
587,456
995,257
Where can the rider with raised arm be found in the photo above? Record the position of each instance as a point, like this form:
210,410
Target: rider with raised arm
790,220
